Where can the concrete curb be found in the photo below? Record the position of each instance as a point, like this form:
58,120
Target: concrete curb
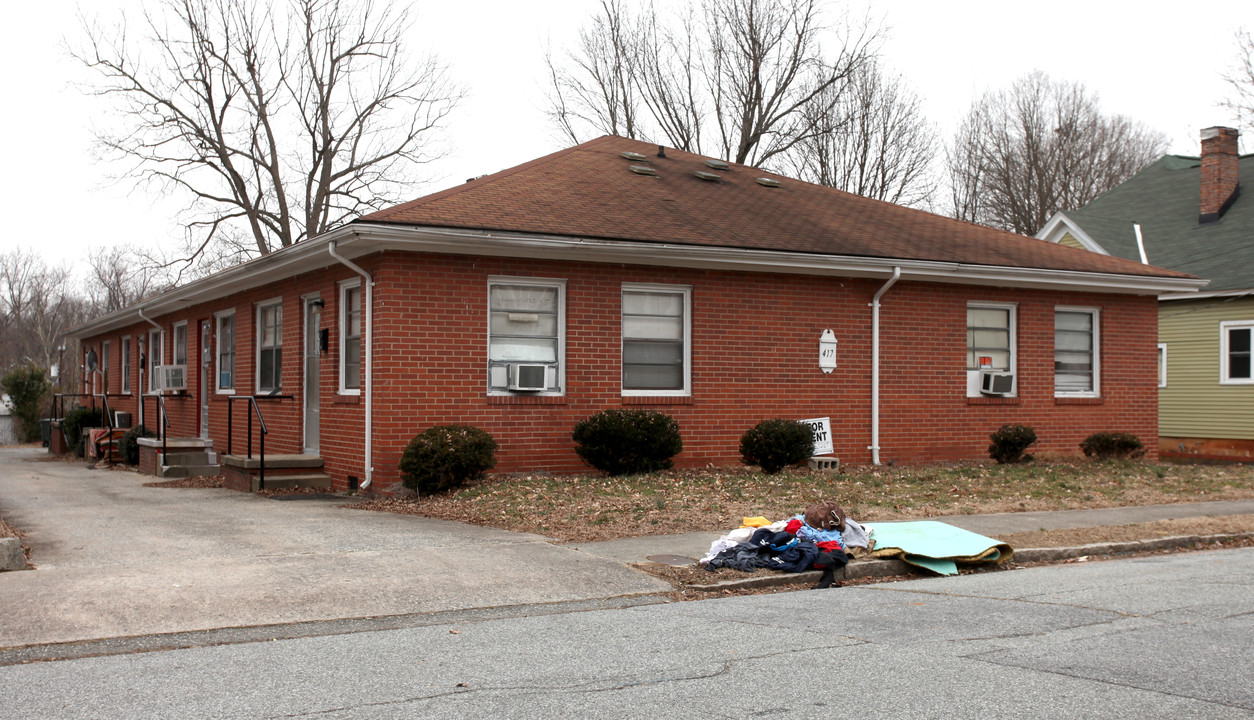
877,567
11,555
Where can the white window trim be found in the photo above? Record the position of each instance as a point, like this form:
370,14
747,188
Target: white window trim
1224,327
152,357
1162,365
125,365
342,323
973,376
560,379
174,338
1096,392
217,351
686,290
258,309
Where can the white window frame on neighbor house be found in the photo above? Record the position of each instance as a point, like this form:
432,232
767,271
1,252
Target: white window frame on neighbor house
684,292
1162,365
104,364
125,365
156,356
1225,352
973,374
1095,320
497,369
220,351
275,304
345,323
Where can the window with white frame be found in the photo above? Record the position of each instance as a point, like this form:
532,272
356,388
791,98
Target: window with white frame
225,353
104,364
656,352
270,347
350,338
1076,357
1235,345
180,344
156,358
990,342
1162,365
125,365
526,319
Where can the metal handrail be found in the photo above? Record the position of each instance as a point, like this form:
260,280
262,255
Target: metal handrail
253,407
163,422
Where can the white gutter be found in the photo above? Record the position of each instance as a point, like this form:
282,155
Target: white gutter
367,385
1140,244
875,365
147,354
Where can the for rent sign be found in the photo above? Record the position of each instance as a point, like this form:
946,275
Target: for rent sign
822,428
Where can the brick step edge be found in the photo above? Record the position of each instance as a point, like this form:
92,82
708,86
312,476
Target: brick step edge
880,567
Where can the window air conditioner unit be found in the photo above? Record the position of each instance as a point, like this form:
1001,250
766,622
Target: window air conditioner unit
996,383
171,377
529,378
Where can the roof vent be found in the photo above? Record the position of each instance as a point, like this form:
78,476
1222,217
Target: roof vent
643,170
718,164
708,176
768,182
637,157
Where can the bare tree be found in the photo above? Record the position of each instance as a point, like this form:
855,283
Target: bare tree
1023,154
740,71
1241,77
37,306
277,122
872,141
120,281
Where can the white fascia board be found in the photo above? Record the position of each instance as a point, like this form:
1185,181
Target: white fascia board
1168,297
1060,225
502,244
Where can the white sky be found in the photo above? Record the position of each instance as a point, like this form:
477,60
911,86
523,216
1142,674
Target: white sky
1160,63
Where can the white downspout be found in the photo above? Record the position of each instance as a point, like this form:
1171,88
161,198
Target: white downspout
875,365
367,385
1140,243
142,372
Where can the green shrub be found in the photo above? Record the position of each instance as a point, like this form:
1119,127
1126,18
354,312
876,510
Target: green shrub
73,423
622,441
446,456
775,444
28,389
128,446
1103,445
1009,442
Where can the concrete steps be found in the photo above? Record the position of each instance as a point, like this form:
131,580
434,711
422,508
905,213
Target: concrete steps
184,457
282,472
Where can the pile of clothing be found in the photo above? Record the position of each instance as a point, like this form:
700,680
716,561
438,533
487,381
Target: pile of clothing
821,538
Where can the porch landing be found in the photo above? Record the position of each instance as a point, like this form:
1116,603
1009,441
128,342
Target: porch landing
281,472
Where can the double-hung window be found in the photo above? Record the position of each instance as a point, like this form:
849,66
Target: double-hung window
126,364
1077,370
656,353
526,321
990,342
350,338
1236,344
270,347
226,351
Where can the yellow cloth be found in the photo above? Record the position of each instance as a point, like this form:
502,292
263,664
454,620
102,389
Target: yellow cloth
754,522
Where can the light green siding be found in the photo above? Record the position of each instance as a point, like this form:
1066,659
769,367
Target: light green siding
1069,240
1194,404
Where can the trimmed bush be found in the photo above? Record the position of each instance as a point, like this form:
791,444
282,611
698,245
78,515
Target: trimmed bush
128,446
28,388
1009,442
1104,445
622,441
446,456
75,420
775,444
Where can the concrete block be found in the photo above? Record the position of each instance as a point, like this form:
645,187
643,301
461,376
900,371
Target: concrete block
829,464
11,555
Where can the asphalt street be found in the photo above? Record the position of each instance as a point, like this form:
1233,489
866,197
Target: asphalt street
1166,636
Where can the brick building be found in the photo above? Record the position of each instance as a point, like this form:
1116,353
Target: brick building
615,273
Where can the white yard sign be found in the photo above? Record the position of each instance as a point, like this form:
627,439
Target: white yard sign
822,428
827,351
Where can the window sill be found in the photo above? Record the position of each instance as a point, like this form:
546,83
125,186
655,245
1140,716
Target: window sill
657,400
526,399
1079,401
347,400
979,400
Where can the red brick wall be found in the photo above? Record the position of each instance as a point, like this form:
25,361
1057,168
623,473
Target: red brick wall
755,356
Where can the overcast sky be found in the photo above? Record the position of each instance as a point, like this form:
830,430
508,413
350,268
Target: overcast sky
1160,66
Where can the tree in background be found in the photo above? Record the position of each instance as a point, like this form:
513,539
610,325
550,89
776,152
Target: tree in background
118,280
1025,153
37,305
29,391
728,77
277,121
1241,77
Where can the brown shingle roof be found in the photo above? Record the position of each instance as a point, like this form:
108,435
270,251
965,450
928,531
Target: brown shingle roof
589,191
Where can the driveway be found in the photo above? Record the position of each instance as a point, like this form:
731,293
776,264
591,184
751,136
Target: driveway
114,558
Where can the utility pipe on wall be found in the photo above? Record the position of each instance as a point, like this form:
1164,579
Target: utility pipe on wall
147,356
875,365
368,383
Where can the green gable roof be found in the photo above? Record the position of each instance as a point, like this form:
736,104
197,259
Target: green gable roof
1164,198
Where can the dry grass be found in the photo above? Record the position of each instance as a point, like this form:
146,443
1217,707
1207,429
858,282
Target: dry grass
590,508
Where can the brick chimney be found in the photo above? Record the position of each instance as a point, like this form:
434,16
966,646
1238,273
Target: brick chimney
1219,172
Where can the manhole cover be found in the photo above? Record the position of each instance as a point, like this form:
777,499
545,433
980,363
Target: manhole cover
676,560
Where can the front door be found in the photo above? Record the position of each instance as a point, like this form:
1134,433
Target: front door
313,317
206,354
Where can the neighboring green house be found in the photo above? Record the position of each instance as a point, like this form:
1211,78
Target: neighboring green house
1187,214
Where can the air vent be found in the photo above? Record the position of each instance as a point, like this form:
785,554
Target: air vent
643,170
634,156
768,182
708,176
718,164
